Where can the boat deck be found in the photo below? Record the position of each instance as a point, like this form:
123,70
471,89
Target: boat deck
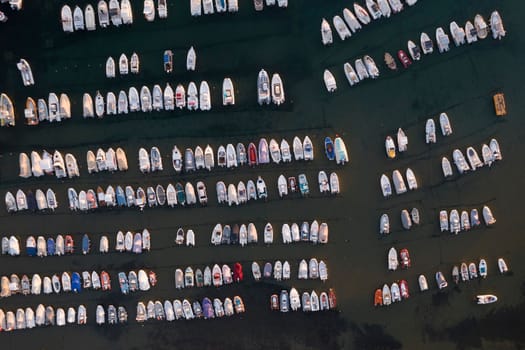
499,104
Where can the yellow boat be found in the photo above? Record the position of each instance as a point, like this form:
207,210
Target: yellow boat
499,104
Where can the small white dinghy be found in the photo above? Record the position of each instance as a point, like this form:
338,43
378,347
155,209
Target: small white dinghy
386,187
351,20
411,179
444,122
473,158
447,168
341,28
430,131
399,182
393,262
402,141
326,32
488,217
329,81
486,299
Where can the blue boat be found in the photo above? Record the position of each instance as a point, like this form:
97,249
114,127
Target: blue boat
31,201
76,282
207,308
85,244
329,148
50,246
121,197
181,195
123,282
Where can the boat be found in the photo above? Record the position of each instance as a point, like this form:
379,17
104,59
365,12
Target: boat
465,222
387,296
444,122
393,262
470,33
25,70
455,225
126,14
145,99
65,107
442,40
67,19
168,61
268,233
384,224
134,101
158,100
405,60
308,150
488,217
440,280
162,9
422,281
411,179
502,265
361,14
134,63
191,59
499,104
384,8
406,221
314,301
340,27
110,67
277,90
458,33
193,99
89,16
103,13
156,159
351,21
496,25
195,7
326,34
389,60
427,46
486,299
114,13
378,297
464,273
275,152
430,131
473,158
399,182
481,26
54,107
472,271
220,5
460,161
263,88
43,113
324,185
390,147
373,9
360,67
386,187
51,199
149,10
443,220
329,81
242,157
414,50
496,152
111,104
396,293
482,268
231,156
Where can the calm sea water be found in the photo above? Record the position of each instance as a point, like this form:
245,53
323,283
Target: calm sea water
460,83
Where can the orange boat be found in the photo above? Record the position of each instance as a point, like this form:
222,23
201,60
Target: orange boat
378,297
106,282
499,104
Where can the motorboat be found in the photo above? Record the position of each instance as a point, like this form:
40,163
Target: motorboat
87,106
414,50
393,262
371,67
387,296
64,107
242,156
444,122
361,14
207,6
399,182
360,67
233,5
126,12
487,216
114,13
386,187
326,34
496,25
191,59
411,179
472,271
59,166
460,161
134,101
430,131
103,13
134,63
25,70
390,147
373,9
486,299
329,81
487,155
168,61
99,105
395,291
231,156
465,222
53,103
169,98
308,150
43,113
403,57
496,152
440,280
350,74
189,160
443,220
263,88
351,20
384,8
458,33
156,159
384,224
66,17
389,60
162,9
455,225
228,93
149,10
110,67
481,27
473,158
193,97
502,265
220,5
340,27
277,90
111,104
158,101
470,33
427,46
464,273
442,40
482,268
195,7
414,214
89,17
145,99
406,221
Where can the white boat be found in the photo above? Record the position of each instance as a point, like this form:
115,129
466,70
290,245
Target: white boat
58,165
386,187
134,100
103,13
361,14
488,217
195,7
326,32
360,67
458,33
207,6
123,65
67,19
220,5
144,161
373,9
193,98
487,155
486,299
199,158
43,113
496,25
411,179
384,224
444,122
494,147
351,21
145,99
36,167
162,8
149,10
54,107
263,88
334,183
393,262
114,13
204,96
71,166
228,92
430,131
24,166
396,5
298,150
502,265
268,233
126,12
460,161
158,101
470,32
423,285
396,294
65,107
25,70
481,27
447,168
111,104
324,185
171,195
169,98
443,220
89,16
122,104
390,147
455,224
442,40
191,59
87,106
341,154
473,158
134,63
371,67
286,155
350,74
384,8
308,149
209,158
402,140
411,2
340,27
233,5
110,67
399,182
426,44
414,50
277,90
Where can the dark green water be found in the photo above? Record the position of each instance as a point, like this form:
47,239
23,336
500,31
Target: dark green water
460,82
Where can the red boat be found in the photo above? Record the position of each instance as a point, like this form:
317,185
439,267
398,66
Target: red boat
378,297
91,199
292,183
405,258
403,286
70,245
152,278
237,272
403,57
252,154
105,281
274,302
332,299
